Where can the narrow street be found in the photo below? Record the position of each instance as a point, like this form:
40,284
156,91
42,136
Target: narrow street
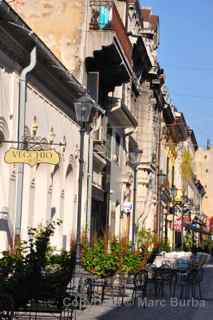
192,310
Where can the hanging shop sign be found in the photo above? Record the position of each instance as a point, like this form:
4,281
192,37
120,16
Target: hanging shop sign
32,157
178,224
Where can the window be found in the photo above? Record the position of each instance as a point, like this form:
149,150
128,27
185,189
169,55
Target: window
53,212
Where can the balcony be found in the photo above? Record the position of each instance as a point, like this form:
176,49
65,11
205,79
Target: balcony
109,50
120,115
105,17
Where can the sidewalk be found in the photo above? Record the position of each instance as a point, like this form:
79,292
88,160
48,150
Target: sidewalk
164,309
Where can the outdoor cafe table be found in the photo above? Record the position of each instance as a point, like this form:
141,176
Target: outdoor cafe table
170,275
172,258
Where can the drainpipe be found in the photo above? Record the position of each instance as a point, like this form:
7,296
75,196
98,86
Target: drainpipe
21,127
89,185
158,207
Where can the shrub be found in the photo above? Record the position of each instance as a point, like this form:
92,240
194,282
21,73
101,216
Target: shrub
118,257
164,246
188,241
96,260
32,271
131,262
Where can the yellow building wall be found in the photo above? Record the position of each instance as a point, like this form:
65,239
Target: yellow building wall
204,172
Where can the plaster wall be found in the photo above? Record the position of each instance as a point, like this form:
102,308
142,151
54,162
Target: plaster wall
61,24
50,192
204,172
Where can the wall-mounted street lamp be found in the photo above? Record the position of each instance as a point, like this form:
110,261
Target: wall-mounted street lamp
83,108
134,161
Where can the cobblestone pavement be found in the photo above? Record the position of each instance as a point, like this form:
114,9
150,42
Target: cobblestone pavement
164,309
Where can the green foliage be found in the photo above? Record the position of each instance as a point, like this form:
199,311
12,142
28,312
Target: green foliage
59,261
118,257
105,259
188,241
164,246
186,166
131,262
95,259
208,245
32,271
146,240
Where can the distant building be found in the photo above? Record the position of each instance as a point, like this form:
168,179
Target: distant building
204,172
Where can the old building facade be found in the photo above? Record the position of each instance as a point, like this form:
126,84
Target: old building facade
50,192
203,161
111,49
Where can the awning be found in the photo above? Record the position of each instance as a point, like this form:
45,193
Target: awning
121,115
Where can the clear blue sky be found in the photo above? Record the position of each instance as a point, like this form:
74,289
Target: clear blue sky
186,54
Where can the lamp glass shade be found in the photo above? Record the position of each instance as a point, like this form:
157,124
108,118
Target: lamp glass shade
83,108
135,156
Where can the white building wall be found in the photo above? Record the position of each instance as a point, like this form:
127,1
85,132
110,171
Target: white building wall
46,189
